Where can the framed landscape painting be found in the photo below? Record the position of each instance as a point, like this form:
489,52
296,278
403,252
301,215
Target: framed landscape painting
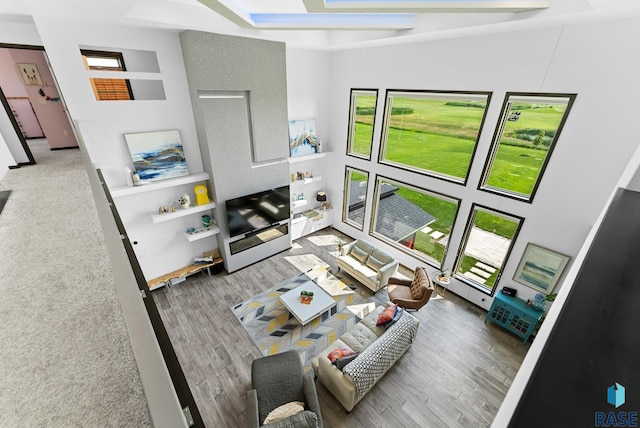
540,268
302,137
157,155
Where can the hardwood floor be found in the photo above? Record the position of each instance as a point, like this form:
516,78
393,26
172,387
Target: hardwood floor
455,374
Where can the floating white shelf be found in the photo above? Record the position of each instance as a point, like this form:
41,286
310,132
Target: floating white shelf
202,232
306,181
181,212
299,203
118,192
304,158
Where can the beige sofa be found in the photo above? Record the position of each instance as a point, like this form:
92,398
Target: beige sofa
378,350
368,264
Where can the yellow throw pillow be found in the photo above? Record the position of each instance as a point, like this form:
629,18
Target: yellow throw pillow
284,411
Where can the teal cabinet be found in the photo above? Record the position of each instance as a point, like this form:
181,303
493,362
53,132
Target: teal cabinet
514,315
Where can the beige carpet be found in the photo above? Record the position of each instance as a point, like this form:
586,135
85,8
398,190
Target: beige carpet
65,355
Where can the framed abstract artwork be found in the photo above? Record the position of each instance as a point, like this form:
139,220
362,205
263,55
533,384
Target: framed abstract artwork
540,268
157,155
302,137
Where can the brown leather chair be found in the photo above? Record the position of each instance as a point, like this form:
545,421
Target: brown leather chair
411,294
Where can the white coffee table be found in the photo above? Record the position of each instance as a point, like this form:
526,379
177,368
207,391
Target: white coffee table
304,313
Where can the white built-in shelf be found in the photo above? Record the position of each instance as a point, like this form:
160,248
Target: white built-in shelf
304,158
118,192
299,203
306,181
181,212
202,232
298,219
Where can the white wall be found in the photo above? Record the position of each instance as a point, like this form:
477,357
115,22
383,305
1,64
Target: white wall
600,135
308,82
106,122
308,97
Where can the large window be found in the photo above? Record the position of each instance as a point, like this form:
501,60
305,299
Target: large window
413,219
362,113
433,132
355,196
487,243
524,139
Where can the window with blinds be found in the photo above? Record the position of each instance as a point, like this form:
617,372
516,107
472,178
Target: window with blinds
107,89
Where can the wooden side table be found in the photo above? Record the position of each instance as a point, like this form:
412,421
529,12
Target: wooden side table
441,283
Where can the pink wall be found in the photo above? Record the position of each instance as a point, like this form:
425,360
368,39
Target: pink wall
51,115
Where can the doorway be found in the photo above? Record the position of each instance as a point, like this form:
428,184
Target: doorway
32,104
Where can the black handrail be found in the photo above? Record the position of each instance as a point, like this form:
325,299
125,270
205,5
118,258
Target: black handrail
168,353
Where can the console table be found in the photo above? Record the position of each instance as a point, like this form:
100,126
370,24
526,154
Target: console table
514,315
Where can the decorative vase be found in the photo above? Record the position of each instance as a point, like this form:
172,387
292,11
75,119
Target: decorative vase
538,303
186,205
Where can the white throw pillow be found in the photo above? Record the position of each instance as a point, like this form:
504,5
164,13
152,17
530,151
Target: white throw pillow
284,411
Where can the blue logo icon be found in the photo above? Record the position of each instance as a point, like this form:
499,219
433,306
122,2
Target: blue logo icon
615,395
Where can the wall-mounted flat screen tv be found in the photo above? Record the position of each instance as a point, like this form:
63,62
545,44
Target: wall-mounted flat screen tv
258,211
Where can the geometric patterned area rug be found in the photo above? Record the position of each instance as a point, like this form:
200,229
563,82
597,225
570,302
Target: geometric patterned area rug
274,329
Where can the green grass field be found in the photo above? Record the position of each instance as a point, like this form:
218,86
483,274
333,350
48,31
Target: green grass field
363,132
440,136
435,135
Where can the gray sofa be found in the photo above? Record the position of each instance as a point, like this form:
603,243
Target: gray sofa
368,264
378,350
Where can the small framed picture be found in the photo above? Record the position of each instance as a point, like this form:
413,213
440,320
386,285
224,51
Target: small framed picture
540,268
30,74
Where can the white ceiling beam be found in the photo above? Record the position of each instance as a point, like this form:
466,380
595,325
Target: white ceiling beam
423,6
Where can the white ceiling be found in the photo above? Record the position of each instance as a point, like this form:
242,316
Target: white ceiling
325,24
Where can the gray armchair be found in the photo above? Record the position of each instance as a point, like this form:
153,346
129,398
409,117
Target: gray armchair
279,379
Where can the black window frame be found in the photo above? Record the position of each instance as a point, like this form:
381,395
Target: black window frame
497,136
90,53
465,239
423,172
345,199
351,123
394,244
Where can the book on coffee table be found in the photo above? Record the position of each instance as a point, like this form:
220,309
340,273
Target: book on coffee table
334,286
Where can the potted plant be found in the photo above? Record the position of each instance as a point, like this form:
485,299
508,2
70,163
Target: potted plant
443,276
306,297
340,243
